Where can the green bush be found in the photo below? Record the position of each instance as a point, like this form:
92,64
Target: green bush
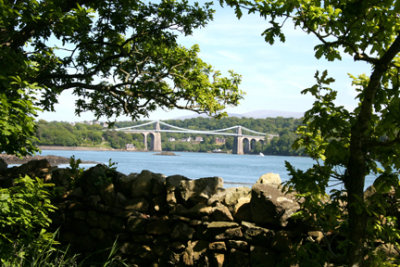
24,217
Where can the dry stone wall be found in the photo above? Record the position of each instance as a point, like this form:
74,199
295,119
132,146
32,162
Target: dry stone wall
173,221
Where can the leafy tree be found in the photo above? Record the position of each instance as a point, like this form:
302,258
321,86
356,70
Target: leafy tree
117,56
17,119
358,139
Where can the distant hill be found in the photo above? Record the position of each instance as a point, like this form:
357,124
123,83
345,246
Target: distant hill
261,114
256,114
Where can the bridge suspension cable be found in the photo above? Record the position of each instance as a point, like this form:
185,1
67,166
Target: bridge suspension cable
227,129
136,126
176,129
251,131
197,131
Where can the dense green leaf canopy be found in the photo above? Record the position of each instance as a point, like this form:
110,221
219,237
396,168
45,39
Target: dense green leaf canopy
353,140
118,57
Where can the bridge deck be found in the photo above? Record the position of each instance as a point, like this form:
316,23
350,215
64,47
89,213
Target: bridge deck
239,139
192,132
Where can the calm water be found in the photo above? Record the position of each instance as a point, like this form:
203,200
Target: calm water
234,169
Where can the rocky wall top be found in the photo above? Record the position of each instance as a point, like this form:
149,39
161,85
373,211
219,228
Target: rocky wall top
161,220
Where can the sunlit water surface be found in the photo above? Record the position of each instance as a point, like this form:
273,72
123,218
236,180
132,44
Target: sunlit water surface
234,169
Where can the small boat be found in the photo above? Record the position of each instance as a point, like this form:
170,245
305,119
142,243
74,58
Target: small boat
261,154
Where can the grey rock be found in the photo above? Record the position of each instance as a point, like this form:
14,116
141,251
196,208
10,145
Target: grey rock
217,246
142,184
136,224
108,195
238,244
270,178
242,211
221,213
217,259
35,168
258,235
97,178
238,258
234,195
196,212
158,227
261,256
137,204
230,233
158,184
222,224
270,207
182,232
194,251
3,165
199,190
124,183
173,184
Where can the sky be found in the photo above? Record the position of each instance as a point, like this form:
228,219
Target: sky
272,76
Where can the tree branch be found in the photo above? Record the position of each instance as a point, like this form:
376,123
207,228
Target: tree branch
29,30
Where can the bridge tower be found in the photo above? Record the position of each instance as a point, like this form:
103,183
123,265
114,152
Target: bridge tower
156,142
145,140
238,142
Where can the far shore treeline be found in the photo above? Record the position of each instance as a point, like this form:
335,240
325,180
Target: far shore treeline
98,135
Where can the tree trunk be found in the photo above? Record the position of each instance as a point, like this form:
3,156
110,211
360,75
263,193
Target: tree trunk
357,170
357,166
355,202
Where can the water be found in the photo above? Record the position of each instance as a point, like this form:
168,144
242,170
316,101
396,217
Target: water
234,169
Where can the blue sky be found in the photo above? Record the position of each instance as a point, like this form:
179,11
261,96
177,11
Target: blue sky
272,76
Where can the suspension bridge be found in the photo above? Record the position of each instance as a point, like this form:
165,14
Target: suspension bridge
243,137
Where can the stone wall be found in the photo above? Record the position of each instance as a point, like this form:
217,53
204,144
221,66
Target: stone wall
173,221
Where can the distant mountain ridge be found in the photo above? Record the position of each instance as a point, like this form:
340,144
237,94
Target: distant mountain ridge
261,114
256,114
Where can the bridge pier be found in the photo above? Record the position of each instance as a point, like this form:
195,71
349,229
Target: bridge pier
145,140
238,142
156,142
243,144
155,135
246,145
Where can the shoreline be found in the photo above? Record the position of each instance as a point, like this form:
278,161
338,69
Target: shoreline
82,148
90,148
52,159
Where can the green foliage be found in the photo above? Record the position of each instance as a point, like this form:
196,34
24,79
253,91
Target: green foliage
17,125
103,178
24,222
117,57
24,218
45,255
112,259
383,222
76,171
319,211
112,165
348,145
106,178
